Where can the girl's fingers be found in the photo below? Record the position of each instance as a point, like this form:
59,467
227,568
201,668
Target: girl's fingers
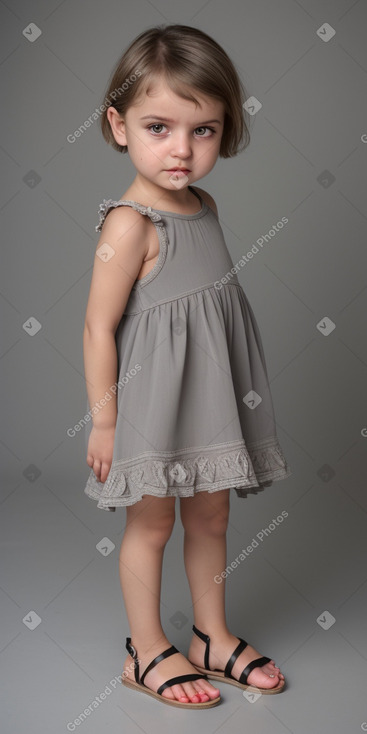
101,469
97,468
105,472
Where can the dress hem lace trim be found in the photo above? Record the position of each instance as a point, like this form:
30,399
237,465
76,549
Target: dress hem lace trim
246,468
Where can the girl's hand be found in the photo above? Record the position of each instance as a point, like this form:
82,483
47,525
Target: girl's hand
100,451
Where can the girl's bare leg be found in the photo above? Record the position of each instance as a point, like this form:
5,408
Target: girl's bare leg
149,524
205,519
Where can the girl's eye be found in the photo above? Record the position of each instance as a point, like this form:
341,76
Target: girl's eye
205,128
159,124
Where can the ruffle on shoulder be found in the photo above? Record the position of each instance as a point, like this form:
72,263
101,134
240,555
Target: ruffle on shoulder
108,204
248,471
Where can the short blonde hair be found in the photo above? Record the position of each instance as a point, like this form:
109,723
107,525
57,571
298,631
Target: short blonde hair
186,59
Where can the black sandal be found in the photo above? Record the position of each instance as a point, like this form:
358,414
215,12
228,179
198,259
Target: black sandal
225,675
140,686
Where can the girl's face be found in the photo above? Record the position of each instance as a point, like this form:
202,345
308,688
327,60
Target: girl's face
164,132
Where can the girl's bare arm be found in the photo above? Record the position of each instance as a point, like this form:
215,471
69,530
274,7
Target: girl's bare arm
125,231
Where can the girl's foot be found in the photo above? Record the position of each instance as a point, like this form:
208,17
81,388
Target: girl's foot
196,691
221,649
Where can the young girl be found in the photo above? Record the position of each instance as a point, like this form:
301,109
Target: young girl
174,364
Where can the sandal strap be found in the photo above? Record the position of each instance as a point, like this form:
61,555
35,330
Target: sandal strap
170,651
180,679
258,663
205,639
132,652
241,646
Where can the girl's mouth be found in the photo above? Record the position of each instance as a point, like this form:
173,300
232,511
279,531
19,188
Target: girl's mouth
179,171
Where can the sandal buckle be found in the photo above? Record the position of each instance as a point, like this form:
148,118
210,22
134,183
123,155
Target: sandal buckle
131,649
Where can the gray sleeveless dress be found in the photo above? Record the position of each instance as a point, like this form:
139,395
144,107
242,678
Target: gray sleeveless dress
195,411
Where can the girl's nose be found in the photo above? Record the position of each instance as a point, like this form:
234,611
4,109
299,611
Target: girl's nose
180,146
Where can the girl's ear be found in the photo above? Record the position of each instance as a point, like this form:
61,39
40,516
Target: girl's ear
117,126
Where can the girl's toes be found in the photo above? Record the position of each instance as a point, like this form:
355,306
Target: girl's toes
263,678
203,696
168,693
176,693
268,669
210,690
190,692
200,692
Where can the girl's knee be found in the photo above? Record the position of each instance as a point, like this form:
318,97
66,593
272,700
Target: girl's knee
159,530
206,517
154,523
208,524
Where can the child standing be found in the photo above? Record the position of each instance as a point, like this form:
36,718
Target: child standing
174,364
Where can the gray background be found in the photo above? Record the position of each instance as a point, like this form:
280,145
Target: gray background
313,120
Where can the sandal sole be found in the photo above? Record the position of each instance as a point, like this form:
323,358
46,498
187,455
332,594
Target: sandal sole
218,675
143,689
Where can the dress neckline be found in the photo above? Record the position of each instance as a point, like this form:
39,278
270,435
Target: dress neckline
177,215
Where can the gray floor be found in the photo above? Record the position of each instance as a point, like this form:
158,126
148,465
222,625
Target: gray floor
309,569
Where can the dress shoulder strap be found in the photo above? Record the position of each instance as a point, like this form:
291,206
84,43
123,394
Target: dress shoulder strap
109,204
